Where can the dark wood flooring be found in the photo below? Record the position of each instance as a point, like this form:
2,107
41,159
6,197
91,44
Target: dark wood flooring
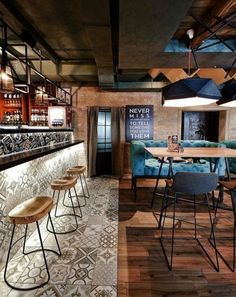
142,270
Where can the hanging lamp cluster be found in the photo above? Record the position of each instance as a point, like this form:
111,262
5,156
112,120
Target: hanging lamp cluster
195,91
190,92
11,81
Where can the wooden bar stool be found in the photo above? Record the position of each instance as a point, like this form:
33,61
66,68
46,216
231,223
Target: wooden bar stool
66,183
26,213
231,186
79,171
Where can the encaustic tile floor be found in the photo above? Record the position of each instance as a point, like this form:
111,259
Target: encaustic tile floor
88,264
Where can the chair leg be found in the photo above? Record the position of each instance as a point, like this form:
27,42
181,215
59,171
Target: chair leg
231,267
216,266
135,189
162,207
195,216
221,194
169,262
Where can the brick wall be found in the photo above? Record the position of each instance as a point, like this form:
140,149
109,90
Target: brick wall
167,121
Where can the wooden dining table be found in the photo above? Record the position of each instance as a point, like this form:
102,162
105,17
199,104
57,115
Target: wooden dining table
190,152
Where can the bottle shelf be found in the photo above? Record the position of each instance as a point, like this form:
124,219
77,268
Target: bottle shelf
12,107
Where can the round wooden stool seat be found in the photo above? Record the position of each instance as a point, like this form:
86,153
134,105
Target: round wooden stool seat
64,183
230,185
76,170
31,210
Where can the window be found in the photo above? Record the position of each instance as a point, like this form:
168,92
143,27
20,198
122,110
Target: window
104,131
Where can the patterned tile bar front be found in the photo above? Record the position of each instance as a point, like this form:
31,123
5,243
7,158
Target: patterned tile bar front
20,142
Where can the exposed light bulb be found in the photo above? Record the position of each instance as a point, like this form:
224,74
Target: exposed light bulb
4,76
190,33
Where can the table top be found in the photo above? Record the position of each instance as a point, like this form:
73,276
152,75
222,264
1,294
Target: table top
191,152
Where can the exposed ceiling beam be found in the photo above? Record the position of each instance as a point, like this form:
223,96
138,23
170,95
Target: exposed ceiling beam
221,9
145,28
35,34
136,86
101,45
218,75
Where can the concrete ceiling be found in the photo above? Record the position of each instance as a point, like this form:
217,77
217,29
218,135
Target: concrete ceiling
113,43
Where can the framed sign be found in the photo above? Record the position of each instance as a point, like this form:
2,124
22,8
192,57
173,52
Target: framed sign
200,125
139,122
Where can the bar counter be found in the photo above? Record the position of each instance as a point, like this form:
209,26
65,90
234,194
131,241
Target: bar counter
22,157
15,130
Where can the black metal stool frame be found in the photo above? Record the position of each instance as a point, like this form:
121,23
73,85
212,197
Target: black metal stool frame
69,214
164,209
77,198
34,251
233,199
85,195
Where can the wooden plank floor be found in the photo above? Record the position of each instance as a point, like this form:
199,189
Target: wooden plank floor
142,270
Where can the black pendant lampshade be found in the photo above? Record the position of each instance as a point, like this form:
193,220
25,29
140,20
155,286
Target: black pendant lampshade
228,96
190,92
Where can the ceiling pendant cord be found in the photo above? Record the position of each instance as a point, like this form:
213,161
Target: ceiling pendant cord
189,60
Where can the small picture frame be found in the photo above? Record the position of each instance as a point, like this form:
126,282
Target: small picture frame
173,143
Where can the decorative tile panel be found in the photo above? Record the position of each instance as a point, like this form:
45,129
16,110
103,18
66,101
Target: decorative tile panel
20,142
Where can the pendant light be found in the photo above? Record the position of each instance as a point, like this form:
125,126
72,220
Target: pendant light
192,91
228,96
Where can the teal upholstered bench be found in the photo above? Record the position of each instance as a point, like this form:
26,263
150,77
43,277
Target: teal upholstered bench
232,161
143,165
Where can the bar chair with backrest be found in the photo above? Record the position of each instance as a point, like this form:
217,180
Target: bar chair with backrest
188,185
231,187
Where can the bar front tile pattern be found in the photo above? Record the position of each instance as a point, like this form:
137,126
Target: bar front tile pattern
88,265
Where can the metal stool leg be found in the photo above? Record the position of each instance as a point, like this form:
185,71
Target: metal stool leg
8,256
86,186
58,198
82,186
46,249
73,209
65,215
77,197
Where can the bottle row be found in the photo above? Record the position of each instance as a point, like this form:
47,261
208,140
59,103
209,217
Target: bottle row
39,117
11,96
12,103
12,117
